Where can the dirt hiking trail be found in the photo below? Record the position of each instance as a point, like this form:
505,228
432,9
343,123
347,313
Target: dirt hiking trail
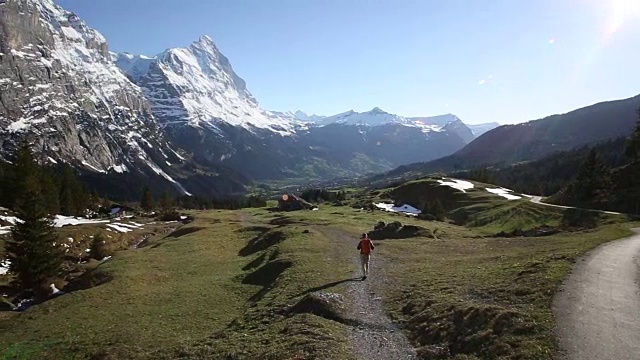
374,335
597,308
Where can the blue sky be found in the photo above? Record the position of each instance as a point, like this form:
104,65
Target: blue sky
483,60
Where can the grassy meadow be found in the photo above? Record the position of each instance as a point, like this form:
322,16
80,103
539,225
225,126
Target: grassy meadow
220,286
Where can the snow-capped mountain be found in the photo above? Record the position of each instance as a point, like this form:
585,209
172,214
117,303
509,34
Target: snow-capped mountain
182,118
377,117
60,89
301,115
197,86
374,117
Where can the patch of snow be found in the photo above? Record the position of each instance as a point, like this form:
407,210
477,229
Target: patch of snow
161,172
61,220
10,219
5,230
4,266
105,258
54,289
52,160
20,53
406,209
119,168
504,193
457,184
131,226
118,228
92,167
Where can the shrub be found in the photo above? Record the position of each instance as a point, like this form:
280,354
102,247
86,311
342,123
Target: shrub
99,247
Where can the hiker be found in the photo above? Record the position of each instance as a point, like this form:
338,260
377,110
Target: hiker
365,246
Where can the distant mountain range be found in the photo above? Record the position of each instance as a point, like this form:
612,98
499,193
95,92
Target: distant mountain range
181,119
184,120
509,144
377,116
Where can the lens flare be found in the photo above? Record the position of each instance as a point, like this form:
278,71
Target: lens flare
621,12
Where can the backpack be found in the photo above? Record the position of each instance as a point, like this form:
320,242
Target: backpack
365,246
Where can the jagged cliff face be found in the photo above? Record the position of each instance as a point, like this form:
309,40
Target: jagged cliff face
182,118
60,90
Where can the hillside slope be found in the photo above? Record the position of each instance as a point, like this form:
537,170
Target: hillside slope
533,140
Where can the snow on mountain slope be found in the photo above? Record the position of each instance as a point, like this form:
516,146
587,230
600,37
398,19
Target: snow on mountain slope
438,120
374,117
197,86
301,115
60,89
133,65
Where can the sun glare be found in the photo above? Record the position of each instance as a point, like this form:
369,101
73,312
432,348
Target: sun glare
621,11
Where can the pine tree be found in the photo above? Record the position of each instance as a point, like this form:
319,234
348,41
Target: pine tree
165,202
106,203
34,259
633,143
593,183
50,191
147,203
70,193
26,170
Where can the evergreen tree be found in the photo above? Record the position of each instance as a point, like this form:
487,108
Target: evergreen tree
94,201
26,171
106,203
34,259
593,183
147,203
633,143
72,197
165,202
50,191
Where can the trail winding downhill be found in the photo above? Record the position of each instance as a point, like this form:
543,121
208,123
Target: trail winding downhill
597,308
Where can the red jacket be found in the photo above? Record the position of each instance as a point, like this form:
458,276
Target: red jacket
365,246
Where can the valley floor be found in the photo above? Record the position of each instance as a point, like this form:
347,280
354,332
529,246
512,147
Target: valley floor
256,284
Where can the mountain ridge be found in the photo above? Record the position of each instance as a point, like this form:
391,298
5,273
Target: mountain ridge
63,94
534,139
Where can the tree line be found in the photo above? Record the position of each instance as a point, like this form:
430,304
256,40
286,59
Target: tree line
62,192
602,176
321,195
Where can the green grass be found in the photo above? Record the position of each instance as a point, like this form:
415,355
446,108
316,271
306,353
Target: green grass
218,287
190,294
483,297
480,280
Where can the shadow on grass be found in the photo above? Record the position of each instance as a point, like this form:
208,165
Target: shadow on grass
91,278
266,276
255,262
262,242
282,221
329,285
184,231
